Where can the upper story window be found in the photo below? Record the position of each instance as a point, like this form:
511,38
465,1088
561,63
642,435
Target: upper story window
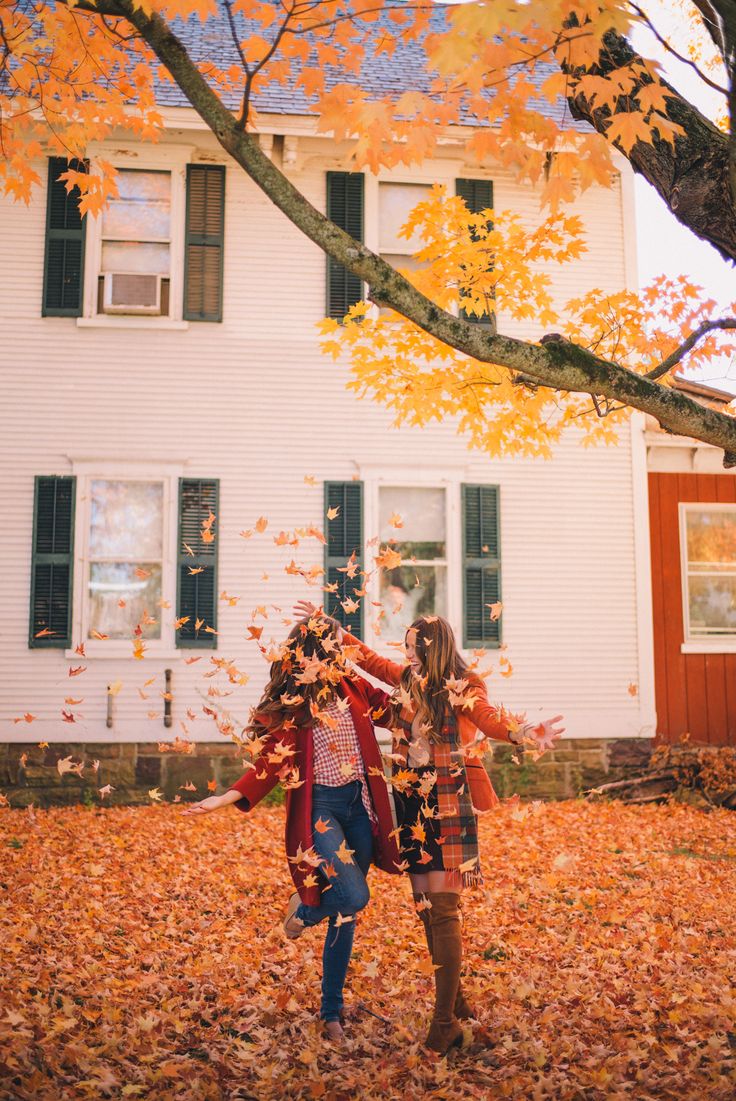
135,265
154,257
396,202
708,546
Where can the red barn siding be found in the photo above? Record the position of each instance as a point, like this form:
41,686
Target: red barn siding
695,693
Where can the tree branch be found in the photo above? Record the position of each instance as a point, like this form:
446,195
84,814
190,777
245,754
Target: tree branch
671,49
561,365
693,175
675,357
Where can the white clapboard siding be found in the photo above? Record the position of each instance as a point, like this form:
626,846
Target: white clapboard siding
253,402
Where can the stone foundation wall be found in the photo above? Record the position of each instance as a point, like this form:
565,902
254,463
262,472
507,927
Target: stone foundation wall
572,767
134,769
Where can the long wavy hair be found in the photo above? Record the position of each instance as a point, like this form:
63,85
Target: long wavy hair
436,648
291,697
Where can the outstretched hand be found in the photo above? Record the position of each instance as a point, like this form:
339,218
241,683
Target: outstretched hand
204,806
547,733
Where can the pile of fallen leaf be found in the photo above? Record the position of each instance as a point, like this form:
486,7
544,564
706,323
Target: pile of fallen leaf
142,956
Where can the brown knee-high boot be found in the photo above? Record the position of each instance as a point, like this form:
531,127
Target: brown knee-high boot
463,1011
447,949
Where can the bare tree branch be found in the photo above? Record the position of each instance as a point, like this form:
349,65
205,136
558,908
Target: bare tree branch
675,357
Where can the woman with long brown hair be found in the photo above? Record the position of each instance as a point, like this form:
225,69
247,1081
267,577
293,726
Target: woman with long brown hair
440,718
313,730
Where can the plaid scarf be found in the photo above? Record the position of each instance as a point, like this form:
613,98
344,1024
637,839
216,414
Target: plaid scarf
458,825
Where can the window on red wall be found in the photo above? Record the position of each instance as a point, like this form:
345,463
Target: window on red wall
708,547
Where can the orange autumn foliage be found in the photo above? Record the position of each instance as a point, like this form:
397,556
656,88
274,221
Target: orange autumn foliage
153,964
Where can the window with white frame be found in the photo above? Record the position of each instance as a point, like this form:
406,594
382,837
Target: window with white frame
125,558
413,521
708,546
135,259
396,202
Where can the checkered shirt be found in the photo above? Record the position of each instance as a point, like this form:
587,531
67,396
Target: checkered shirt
337,756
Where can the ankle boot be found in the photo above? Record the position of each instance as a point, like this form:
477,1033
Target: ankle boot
463,1010
444,925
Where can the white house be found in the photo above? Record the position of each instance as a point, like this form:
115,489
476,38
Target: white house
160,367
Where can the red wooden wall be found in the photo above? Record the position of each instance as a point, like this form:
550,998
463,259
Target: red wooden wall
695,693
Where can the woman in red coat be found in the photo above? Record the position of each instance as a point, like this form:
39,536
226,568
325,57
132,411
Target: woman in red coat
441,719
313,731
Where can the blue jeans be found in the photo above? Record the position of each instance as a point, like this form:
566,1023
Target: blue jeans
342,810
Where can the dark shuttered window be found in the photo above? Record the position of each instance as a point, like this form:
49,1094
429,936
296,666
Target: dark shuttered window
197,562
204,244
52,562
478,196
64,258
481,564
344,538
345,209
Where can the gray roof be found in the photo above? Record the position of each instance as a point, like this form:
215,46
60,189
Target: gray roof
404,70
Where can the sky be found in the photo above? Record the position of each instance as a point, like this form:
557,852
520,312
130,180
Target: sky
663,245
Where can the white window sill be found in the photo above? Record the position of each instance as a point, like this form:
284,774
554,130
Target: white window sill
117,653
710,646
138,322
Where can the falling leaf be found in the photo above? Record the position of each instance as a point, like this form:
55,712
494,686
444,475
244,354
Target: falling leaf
345,854
322,826
76,672
261,523
333,513
142,574
27,718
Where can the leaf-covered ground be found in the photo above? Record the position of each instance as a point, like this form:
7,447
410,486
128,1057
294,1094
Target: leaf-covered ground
142,956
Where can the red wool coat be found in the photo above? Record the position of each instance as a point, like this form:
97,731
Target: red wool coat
274,759
482,716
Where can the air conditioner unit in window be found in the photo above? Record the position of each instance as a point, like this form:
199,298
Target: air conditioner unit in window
132,292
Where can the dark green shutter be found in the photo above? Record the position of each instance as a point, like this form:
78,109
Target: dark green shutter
197,592
344,537
52,562
63,271
481,564
205,242
478,196
345,209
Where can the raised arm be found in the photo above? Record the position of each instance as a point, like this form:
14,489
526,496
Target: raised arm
376,666
365,658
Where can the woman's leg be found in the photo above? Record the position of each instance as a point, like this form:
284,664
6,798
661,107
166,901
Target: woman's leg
338,945
441,921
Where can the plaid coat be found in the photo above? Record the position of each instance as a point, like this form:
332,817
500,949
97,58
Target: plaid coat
482,716
286,750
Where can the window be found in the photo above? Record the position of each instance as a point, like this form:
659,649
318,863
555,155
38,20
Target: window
135,265
396,202
419,585
708,545
126,559
122,547
153,258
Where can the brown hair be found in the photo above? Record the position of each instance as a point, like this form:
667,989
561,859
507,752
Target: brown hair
436,648
302,680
